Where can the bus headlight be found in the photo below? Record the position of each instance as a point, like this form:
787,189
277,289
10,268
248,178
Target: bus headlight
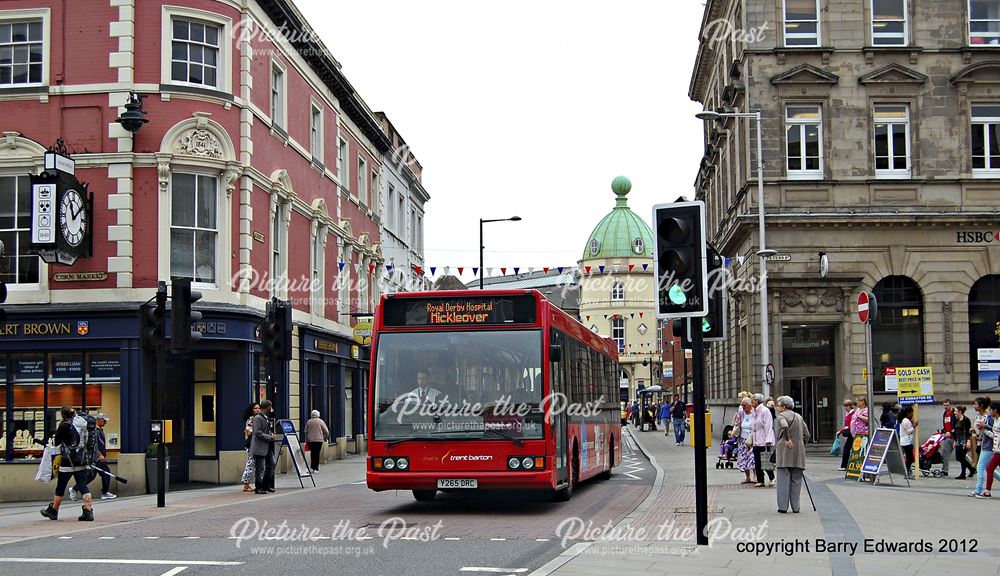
527,463
514,463
389,464
402,463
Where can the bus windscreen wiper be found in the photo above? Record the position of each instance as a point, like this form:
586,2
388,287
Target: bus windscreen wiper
411,438
517,441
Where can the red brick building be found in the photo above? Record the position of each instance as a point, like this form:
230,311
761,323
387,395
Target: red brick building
257,176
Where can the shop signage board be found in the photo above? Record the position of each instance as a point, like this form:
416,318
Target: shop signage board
302,469
883,455
915,385
857,458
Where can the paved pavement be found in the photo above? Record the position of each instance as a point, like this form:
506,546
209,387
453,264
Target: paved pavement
20,520
946,531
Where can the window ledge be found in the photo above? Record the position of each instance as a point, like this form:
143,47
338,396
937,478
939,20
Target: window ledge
187,89
29,89
892,48
279,133
804,176
317,165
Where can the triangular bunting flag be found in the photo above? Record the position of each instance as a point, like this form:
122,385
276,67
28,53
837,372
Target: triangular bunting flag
447,270
632,315
371,268
605,316
631,267
503,270
588,317
601,268
340,266
490,271
433,270
475,271
388,268
587,268
645,267
531,270
560,269
640,314
726,262
419,270
460,269
546,270
615,267
740,260
517,271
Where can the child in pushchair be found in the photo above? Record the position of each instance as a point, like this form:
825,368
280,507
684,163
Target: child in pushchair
727,452
930,454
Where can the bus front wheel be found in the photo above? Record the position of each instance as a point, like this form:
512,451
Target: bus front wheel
424,495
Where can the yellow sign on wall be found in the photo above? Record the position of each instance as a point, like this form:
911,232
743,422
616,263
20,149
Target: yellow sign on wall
363,333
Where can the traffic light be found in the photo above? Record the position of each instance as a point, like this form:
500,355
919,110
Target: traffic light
182,315
679,329
151,318
276,330
3,294
682,285
713,324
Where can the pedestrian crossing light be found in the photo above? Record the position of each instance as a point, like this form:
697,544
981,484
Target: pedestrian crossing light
682,284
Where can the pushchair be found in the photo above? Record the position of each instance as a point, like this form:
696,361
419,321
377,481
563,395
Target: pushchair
930,454
727,452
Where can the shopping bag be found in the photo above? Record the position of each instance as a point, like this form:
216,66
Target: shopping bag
44,473
305,446
837,447
767,459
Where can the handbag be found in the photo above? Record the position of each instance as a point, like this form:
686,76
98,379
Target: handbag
837,446
44,473
767,459
305,446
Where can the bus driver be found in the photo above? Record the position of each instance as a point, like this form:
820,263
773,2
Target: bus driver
424,392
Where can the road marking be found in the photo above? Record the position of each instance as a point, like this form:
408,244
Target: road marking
65,537
493,570
119,561
105,537
174,571
361,482
541,539
498,539
192,537
452,538
152,537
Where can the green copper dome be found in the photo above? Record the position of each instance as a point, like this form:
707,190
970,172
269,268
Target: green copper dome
620,234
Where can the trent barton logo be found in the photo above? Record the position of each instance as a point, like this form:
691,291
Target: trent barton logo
972,237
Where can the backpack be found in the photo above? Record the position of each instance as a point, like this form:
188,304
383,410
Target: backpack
83,449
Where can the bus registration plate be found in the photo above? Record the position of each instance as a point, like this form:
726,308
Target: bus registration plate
457,483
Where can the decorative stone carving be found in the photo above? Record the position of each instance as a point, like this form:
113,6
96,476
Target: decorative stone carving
163,173
949,344
199,142
811,300
232,178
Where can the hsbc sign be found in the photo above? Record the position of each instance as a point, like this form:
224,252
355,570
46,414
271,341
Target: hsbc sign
971,237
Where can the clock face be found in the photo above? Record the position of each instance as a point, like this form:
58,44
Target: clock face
73,217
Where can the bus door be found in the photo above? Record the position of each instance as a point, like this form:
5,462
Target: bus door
558,421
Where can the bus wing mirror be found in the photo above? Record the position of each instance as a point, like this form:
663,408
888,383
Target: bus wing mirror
555,353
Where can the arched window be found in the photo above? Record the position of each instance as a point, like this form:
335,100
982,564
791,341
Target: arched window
618,291
638,246
595,246
984,333
898,330
618,332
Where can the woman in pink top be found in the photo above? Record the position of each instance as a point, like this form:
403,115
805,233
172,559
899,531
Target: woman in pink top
859,423
762,429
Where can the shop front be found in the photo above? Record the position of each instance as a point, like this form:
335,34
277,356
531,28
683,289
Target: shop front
334,376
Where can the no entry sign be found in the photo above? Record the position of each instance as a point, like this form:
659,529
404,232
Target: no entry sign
863,307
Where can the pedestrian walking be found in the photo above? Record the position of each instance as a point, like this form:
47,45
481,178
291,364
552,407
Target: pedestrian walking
665,417
742,427
994,434
906,438
101,463
677,413
963,444
71,466
984,432
949,421
790,453
846,433
316,434
249,468
763,438
262,447
859,422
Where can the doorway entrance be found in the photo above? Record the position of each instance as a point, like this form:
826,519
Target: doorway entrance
809,366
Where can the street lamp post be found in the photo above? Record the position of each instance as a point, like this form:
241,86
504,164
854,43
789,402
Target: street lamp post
482,271
765,339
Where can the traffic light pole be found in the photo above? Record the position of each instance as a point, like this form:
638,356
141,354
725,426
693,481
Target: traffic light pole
700,458
161,449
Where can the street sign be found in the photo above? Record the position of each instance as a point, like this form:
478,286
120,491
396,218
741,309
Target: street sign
769,374
863,307
916,385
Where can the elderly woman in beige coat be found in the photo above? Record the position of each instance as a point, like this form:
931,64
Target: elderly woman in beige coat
791,435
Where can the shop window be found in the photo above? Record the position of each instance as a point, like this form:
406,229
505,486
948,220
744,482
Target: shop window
898,330
193,227
42,383
349,402
984,333
204,407
332,396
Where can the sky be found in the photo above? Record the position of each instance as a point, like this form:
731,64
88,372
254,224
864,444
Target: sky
528,109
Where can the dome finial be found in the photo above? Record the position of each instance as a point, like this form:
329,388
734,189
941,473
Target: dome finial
621,186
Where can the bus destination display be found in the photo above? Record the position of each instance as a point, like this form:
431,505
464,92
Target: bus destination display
460,311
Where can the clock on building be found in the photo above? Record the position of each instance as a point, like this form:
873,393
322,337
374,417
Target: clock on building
73,217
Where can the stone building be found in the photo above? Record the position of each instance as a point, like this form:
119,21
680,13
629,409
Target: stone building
881,151
617,289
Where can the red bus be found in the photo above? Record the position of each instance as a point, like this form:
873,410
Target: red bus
488,389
